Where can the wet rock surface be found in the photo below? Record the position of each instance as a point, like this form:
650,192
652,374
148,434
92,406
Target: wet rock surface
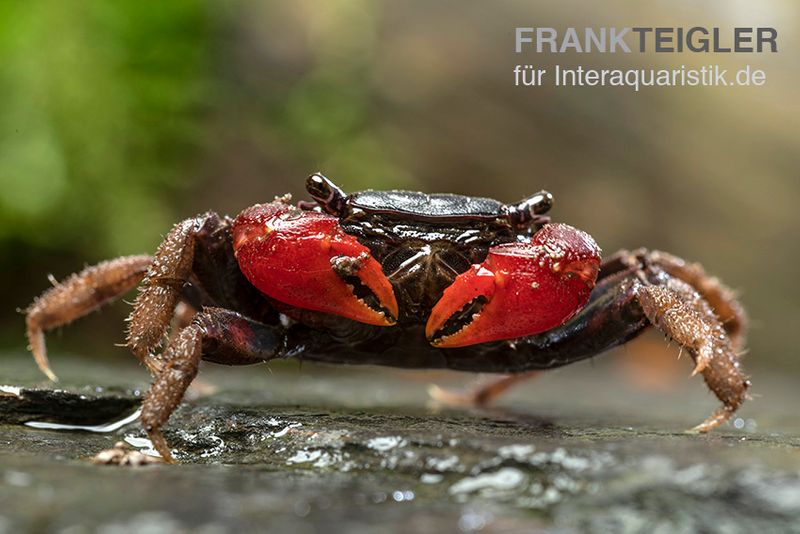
82,406
319,450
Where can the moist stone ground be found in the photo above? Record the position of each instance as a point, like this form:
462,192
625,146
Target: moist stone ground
319,449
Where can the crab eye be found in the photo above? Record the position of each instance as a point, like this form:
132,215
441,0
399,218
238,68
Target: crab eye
327,194
530,209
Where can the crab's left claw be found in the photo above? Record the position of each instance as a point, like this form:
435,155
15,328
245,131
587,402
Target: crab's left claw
520,290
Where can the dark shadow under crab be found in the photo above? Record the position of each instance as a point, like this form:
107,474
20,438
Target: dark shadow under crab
398,279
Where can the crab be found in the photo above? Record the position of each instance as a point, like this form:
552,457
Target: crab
397,278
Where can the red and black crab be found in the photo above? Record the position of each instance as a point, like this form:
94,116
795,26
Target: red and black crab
402,279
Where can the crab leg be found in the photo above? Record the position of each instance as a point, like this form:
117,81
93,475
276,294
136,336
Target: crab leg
155,304
624,303
482,393
721,298
173,267
79,295
221,336
678,310
621,308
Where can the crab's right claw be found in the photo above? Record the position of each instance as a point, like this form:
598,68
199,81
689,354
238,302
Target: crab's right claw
304,259
520,290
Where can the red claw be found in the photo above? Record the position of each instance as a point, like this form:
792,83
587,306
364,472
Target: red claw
521,289
304,259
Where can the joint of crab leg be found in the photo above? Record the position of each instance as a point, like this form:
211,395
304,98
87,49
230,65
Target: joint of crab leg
702,359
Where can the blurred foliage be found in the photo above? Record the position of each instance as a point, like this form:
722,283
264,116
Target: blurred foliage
101,104
120,118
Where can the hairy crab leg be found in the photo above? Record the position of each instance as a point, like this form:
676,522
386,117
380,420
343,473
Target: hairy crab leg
181,318
721,298
79,295
623,306
701,313
682,314
172,278
223,337
159,292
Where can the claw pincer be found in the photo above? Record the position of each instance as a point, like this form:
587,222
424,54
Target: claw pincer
521,289
304,259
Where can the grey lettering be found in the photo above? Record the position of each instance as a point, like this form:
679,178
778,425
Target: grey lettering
720,76
592,39
618,40
541,39
570,40
520,39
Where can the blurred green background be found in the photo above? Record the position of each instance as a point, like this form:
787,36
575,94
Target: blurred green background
119,118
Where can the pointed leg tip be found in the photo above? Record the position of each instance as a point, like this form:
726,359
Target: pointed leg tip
709,424
52,376
48,372
448,397
161,446
166,454
435,392
718,418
